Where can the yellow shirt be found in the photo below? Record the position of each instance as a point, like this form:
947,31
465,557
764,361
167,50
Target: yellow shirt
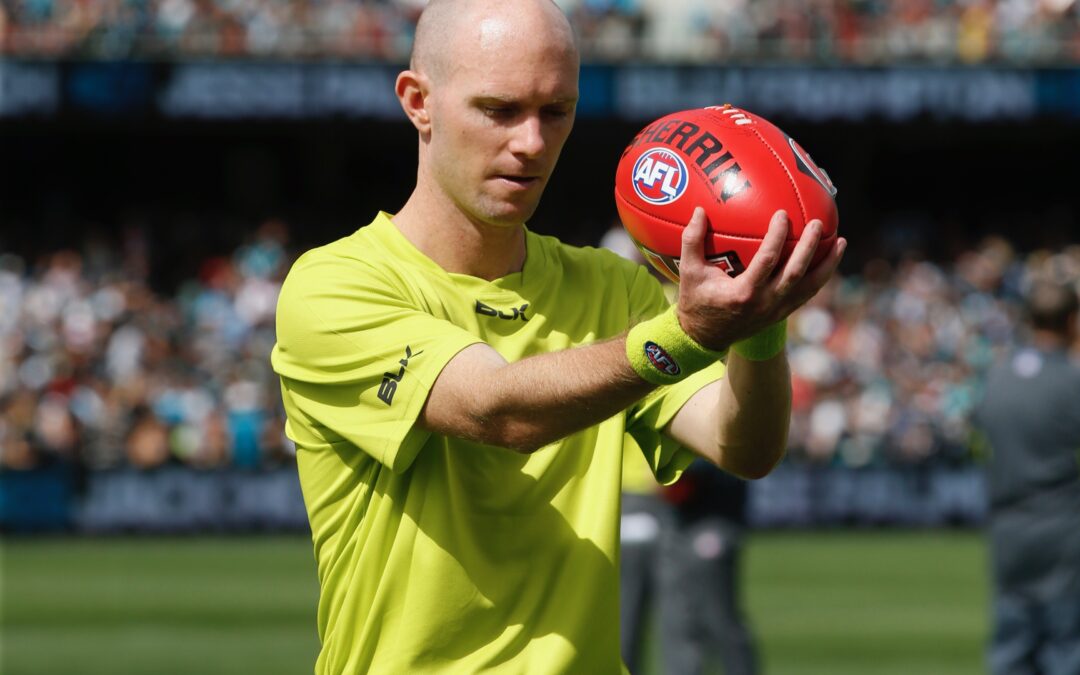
437,554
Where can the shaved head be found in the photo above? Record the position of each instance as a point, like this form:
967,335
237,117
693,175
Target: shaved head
447,27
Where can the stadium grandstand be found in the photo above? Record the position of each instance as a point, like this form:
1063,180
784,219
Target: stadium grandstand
101,370
861,32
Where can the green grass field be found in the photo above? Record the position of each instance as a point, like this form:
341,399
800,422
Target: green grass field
822,604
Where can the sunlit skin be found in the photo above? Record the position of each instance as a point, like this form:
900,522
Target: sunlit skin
493,105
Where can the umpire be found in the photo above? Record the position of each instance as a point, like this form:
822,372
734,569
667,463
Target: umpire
1030,416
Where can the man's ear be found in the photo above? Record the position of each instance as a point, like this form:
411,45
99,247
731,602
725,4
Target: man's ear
412,91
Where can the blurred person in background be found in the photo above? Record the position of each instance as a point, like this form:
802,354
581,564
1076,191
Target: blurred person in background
700,604
680,552
1030,418
643,519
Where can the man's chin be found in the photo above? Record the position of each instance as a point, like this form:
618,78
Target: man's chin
508,214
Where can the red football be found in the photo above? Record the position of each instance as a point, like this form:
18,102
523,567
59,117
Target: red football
738,166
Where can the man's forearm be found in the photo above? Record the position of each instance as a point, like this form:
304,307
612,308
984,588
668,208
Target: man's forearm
740,422
753,414
535,401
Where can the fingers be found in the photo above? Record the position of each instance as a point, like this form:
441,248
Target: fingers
819,274
692,256
824,270
799,261
772,245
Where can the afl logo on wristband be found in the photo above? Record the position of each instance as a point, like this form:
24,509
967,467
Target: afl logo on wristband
660,176
661,359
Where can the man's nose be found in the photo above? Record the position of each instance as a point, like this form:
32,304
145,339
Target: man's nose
528,138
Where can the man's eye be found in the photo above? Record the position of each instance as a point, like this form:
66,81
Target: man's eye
557,113
498,111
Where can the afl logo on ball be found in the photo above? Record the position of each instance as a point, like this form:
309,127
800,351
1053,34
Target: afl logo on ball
660,176
659,358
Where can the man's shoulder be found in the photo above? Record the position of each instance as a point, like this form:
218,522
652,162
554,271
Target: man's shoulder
326,253
341,276
356,253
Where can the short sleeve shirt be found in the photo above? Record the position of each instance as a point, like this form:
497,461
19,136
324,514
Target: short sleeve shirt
437,554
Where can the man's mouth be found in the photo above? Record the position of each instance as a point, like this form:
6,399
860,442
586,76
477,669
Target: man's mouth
523,181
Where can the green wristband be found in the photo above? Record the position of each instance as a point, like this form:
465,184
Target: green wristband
765,345
661,352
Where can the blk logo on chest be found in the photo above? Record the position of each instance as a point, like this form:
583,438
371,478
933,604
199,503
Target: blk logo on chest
512,314
388,386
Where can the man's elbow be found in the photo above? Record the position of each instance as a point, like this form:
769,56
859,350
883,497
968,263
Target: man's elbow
521,440
750,463
757,471
512,435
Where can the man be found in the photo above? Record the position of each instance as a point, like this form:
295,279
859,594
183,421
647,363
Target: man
459,388
1030,417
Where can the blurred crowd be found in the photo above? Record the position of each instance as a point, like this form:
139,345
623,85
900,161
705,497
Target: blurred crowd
830,31
99,370
888,364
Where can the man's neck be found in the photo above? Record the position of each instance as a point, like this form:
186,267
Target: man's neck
456,242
